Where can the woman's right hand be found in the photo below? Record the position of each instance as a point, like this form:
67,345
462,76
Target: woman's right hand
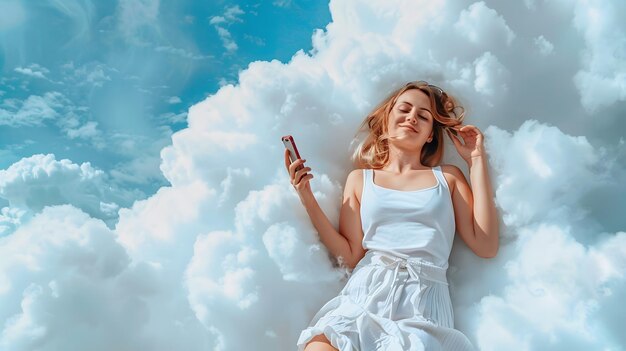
299,179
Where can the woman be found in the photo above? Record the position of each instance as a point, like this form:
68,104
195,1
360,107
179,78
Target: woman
397,223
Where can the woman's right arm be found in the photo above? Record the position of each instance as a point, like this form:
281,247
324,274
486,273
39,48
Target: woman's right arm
338,244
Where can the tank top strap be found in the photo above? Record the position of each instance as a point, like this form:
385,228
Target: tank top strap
439,174
367,175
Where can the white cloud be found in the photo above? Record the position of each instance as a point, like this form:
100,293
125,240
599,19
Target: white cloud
34,70
97,77
242,275
11,218
227,40
539,166
174,100
65,271
491,75
40,180
172,118
571,289
74,128
33,111
88,130
217,20
555,259
483,25
227,245
543,45
231,15
94,74
535,170
601,81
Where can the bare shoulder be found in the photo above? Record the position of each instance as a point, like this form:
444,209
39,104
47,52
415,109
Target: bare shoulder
354,183
452,174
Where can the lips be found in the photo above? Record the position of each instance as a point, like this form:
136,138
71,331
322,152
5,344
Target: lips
411,128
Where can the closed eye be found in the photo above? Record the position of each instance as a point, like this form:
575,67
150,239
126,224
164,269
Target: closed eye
405,111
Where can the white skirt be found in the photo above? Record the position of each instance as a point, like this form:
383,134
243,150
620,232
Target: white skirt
390,303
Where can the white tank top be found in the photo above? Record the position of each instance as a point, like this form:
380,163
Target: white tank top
417,223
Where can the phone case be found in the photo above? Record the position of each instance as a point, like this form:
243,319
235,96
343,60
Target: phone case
290,145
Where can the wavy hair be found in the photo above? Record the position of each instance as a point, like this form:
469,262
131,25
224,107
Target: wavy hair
373,151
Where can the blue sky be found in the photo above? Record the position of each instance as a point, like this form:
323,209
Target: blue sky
108,82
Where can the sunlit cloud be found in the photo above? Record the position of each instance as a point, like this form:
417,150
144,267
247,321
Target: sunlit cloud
226,244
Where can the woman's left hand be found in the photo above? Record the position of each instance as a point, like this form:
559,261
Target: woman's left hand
472,142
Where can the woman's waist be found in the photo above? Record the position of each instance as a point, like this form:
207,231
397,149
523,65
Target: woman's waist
418,267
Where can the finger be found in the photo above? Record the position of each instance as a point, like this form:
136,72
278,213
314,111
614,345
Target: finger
302,172
294,167
460,131
298,181
295,164
472,129
303,181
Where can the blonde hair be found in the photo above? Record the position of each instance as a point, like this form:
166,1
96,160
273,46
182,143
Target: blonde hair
373,151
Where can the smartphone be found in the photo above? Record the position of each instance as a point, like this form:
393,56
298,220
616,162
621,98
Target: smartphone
290,145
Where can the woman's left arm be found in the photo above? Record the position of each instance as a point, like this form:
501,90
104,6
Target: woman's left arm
486,226
476,205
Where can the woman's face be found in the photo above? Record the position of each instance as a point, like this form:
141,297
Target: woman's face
411,120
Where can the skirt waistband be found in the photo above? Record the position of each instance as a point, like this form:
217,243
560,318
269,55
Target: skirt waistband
416,267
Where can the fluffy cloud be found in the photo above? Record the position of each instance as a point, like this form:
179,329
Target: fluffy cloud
34,70
481,24
601,80
238,277
491,75
40,180
65,283
545,47
227,245
33,111
572,288
556,262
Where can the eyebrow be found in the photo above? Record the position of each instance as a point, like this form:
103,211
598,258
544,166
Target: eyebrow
421,108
